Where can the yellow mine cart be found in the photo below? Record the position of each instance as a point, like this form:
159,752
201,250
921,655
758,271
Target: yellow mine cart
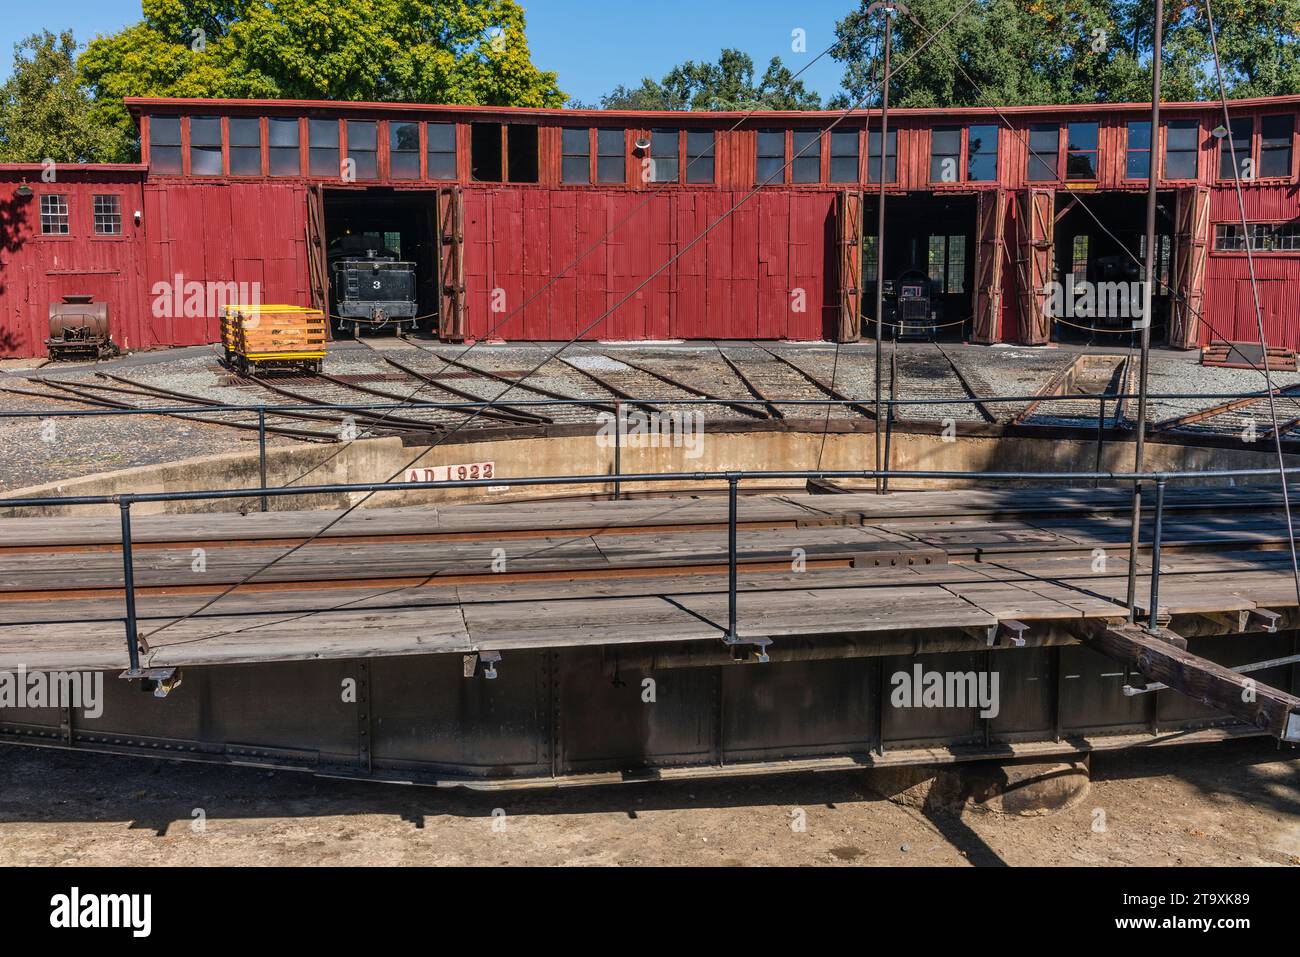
257,337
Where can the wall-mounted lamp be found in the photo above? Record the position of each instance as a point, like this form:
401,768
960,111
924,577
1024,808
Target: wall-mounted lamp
23,191
137,217
642,143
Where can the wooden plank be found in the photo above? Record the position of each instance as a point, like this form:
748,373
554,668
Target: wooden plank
1258,705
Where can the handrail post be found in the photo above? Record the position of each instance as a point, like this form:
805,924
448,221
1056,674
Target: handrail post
1153,625
128,587
618,447
261,449
732,483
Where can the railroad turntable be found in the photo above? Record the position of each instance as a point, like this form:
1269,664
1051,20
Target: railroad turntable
570,642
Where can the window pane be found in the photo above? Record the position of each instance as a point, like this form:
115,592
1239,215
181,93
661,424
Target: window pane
323,143
945,154
1137,162
282,138
362,135
1242,130
165,131
663,155
609,142
771,143
1275,146
577,169
873,157
54,215
245,146
1081,136
245,131
442,166
936,263
611,169
282,132
956,264
205,146
1044,140
982,153
1081,166
363,147
807,168
1139,135
576,142
769,161
1181,135
441,144
442,137
108,215
699,156
205,131
404,150
844,156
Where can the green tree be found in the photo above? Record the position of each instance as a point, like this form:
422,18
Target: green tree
429,51
1071,51
46,112
1015,51
728,84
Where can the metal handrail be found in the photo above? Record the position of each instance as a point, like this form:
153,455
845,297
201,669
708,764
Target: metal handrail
733,479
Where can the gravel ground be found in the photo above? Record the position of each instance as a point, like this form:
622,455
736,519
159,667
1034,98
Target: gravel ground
30,454
1236,803
34,451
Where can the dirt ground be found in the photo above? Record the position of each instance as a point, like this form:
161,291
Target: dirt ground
1231,804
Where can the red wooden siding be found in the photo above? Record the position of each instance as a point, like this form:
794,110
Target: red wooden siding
748,277
744,279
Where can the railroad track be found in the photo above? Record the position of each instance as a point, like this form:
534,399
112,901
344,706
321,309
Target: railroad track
1246,416
1093,374
131,395
770,378
555,543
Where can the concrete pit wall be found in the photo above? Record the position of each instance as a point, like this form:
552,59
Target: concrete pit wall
377,460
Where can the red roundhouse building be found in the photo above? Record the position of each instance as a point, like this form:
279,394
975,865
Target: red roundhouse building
533,224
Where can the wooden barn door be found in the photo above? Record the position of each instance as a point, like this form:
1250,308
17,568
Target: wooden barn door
990,241
317,268
451,263
849,216
1035,262
1191,247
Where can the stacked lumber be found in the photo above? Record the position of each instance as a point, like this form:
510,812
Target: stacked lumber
1248,355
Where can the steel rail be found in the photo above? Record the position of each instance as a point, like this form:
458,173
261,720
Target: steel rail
506,413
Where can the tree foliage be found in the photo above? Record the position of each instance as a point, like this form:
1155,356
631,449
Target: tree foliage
427,51
46,112
1070,51
728,84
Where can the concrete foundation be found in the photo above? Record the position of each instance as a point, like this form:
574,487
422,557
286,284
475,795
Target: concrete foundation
583,451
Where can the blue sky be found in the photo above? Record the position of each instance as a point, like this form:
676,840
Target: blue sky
593,44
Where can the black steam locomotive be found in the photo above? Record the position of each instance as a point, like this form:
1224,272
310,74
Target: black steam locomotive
371,287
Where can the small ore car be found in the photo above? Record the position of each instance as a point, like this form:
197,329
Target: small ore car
257,337
370,286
